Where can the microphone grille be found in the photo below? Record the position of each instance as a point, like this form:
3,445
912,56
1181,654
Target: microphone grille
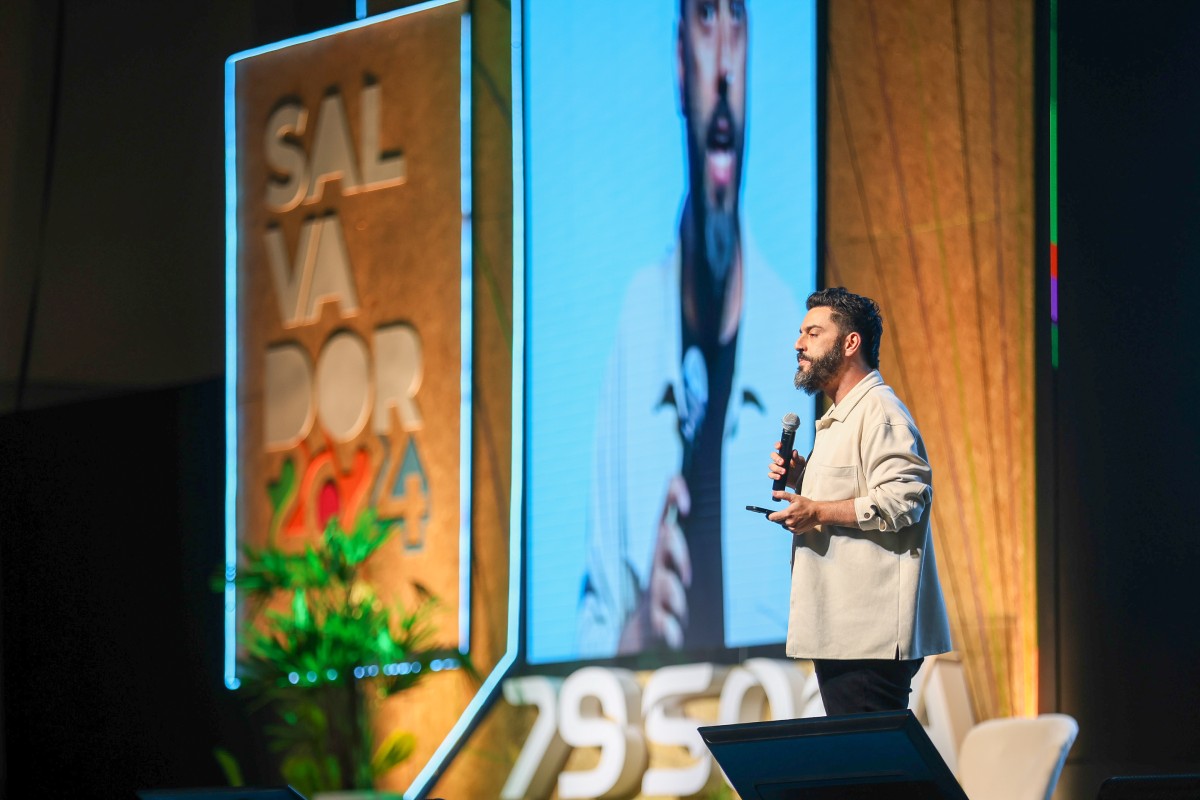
790,421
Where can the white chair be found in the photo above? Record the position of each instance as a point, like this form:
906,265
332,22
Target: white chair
1015,758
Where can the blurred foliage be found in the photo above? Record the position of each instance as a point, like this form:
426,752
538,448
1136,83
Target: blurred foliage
337,651
230,766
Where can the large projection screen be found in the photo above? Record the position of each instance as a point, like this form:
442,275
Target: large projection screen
671,220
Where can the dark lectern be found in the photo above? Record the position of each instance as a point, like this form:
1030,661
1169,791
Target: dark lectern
855,757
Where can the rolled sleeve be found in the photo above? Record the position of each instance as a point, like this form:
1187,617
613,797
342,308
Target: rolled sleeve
899,479
867,515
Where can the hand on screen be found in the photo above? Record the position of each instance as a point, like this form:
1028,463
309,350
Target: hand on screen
671,571
795,469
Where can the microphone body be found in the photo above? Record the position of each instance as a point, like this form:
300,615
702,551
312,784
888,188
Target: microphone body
786,440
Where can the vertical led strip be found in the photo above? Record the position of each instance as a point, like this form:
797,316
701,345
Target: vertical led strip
1054,183
467,348
231,377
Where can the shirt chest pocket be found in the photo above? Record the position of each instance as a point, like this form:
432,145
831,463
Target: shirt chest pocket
830,483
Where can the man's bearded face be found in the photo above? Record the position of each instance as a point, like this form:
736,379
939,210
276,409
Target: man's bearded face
712,52
815,371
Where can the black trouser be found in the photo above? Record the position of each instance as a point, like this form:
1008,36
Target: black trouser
863,685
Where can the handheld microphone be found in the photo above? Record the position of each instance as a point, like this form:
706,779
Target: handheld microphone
786,439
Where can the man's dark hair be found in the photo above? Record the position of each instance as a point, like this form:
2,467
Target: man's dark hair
853,312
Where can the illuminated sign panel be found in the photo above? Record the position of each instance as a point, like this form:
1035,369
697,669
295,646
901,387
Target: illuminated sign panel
348,301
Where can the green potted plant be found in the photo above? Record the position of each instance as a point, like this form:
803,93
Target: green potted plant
321,651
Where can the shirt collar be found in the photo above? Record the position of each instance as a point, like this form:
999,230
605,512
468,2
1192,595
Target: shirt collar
839,412
743,390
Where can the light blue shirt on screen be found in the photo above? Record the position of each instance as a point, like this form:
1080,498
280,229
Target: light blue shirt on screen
638,449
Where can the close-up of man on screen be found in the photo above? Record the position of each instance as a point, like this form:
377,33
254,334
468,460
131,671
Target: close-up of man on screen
682,390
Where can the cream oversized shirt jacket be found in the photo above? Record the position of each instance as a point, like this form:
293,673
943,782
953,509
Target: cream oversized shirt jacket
870,591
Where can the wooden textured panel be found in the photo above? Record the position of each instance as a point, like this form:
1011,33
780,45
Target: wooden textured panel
482,764
929,210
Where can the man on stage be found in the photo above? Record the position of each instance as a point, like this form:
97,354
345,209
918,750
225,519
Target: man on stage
866,605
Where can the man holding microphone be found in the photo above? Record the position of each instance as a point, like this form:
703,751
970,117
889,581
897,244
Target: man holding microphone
866,605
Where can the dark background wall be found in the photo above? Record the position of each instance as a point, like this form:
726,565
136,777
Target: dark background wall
112,188
112,640
111,338
1123,646
111,205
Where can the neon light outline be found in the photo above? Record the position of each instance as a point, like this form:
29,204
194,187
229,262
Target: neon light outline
466,720
466,294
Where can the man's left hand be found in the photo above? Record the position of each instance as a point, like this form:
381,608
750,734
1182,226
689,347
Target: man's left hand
800,516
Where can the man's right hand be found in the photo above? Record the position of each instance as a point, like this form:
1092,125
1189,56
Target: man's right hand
671,572
795,470
662,615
